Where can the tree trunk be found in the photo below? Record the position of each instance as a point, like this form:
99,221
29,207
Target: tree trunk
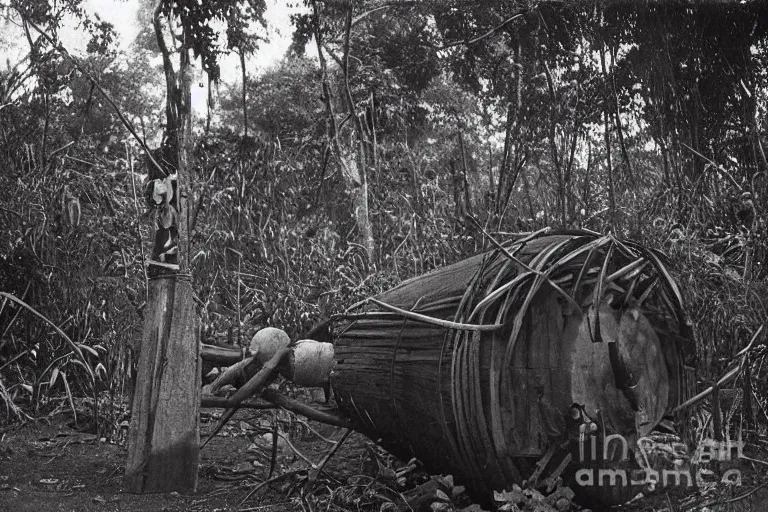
163,444
354,171
606,125
465,181
360,198
501,184
209,106
456,194
183,138
241,53
512,133
552,133
164,436
170,248
354,162
617,116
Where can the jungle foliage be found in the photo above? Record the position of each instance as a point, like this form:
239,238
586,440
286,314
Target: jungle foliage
643,121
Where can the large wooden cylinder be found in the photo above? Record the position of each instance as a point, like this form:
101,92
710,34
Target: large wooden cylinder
483,406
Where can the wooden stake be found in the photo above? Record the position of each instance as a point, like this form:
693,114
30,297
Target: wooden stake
164,437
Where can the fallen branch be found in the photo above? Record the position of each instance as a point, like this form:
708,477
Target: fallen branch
315,472
309,427
295,450
224,403
292,405
267,482
229,375
253,386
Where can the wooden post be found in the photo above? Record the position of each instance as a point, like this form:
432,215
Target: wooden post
164,437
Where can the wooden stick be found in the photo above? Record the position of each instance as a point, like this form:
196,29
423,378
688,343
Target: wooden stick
504,249
221,355
253,386
273,455
230,374
224,403
315,472
259,380
436,321
292,405
292,447
267,482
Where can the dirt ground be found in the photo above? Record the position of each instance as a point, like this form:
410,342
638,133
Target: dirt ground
48,466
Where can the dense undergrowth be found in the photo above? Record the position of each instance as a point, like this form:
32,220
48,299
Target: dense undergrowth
271,245
273,237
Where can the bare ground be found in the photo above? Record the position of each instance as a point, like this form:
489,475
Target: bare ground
48,466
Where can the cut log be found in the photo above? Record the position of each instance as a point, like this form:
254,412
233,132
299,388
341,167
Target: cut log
163,438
